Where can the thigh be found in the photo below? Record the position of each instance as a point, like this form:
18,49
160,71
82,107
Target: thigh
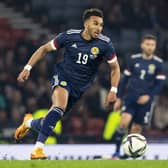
128,107
60,97
60,90
127,114
142,113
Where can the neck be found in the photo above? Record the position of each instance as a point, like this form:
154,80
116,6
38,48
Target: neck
145,56
86,35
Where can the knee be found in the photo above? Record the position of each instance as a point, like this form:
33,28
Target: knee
63,108
124,125
125,120
60,105
136,128
57,109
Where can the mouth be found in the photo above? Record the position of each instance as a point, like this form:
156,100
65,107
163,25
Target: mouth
96,33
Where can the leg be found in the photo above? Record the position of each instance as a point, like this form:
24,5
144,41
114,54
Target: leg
124,123
59,104
141,117
35,124
59,100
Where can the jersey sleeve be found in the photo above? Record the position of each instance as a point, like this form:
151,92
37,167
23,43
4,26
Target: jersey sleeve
58,41
129,67
110,54
160,74
160,80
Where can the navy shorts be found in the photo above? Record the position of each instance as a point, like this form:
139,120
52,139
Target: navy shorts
59,79
141,113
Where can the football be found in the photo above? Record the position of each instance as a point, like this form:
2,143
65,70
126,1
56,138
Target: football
134,145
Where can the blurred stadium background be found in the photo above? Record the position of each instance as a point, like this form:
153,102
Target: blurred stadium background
26,24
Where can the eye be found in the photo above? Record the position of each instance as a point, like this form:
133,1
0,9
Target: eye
95,23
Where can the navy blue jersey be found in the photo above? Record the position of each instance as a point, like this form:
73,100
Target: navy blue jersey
82,57
143,76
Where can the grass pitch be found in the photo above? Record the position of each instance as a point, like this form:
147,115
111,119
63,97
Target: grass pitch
85,164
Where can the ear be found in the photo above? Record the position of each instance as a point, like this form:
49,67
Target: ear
86,24
141,45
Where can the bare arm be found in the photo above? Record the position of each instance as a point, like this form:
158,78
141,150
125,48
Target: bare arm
115,77
38,54
115,74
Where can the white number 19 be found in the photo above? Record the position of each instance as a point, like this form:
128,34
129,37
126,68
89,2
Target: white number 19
82,59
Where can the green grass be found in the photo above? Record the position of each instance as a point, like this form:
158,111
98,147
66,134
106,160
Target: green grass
85,164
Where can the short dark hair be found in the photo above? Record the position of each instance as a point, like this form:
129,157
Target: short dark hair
149,37
92,12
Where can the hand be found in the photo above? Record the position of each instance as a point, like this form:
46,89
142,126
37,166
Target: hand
24,75
111,97
143,99
117,104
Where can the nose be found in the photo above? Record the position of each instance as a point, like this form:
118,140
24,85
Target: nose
99,29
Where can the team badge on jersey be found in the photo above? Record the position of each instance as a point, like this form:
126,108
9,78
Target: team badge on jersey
151,68
63,83
94,52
